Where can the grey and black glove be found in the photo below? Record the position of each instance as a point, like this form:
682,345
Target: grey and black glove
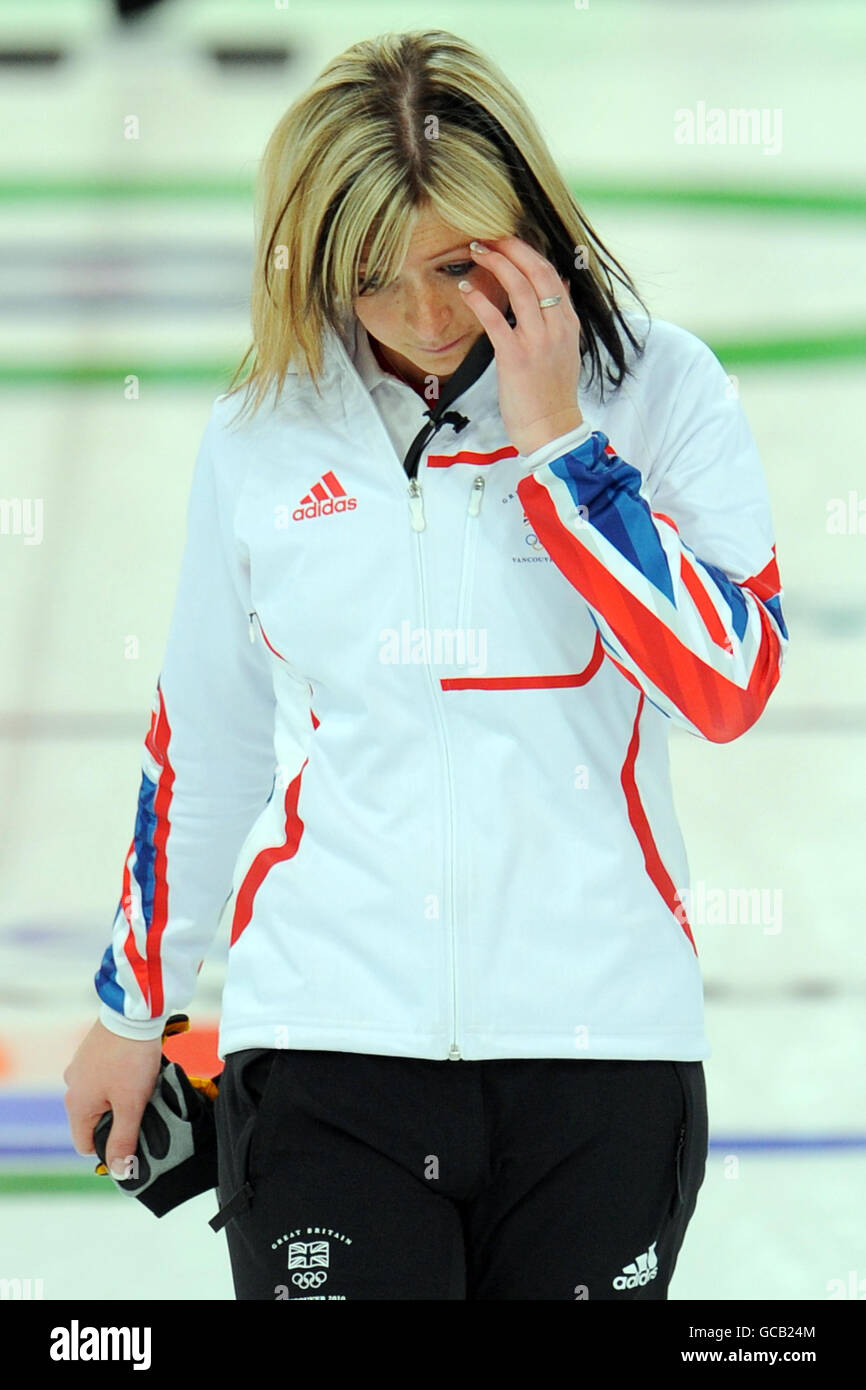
176,1155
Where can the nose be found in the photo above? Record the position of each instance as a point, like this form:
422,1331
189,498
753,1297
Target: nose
428,317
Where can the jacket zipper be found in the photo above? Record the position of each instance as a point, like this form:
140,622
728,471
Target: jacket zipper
416,506
418,523
470,536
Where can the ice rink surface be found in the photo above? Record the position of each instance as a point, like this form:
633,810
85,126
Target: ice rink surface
91,274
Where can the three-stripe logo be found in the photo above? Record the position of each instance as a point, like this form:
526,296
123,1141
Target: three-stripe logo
640,1271
325,497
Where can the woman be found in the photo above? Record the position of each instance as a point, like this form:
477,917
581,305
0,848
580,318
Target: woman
488,535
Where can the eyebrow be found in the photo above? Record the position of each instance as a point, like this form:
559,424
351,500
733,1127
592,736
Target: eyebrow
449,252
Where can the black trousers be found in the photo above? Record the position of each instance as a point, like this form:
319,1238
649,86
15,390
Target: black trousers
349,1175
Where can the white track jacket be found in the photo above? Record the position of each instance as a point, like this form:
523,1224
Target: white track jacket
416,728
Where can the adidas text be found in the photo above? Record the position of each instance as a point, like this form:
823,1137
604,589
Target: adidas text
333,504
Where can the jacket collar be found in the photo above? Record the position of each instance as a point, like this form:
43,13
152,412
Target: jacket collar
473,382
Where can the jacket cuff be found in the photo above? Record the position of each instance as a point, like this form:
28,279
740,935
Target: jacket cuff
131,1027
555,448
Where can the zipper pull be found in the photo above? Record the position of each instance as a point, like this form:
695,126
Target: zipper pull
416,505
454,1053
252,628
476,495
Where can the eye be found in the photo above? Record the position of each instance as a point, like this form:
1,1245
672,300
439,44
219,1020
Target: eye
453,271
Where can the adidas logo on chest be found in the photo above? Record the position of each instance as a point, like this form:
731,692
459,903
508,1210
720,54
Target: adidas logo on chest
324,498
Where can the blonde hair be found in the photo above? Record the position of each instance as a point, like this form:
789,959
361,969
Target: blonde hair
394,124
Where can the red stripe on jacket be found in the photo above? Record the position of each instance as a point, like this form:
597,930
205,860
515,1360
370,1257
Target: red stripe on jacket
469,456
157,744
137,962
274,854
528,682
641,826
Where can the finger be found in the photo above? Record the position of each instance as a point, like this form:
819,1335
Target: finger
527,255
566,298
123,1140
541,274
571,312
81,1126
521,291
492,321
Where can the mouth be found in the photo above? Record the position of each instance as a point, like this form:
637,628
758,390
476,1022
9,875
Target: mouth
446,348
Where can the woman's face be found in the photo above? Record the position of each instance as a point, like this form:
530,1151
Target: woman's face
422,309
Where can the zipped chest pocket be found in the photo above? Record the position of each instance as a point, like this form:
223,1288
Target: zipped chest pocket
255,623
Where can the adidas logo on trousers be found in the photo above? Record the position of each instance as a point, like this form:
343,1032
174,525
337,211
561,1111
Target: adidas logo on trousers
639,1272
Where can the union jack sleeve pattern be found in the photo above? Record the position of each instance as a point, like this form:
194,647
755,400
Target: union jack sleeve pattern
660,576
207,769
